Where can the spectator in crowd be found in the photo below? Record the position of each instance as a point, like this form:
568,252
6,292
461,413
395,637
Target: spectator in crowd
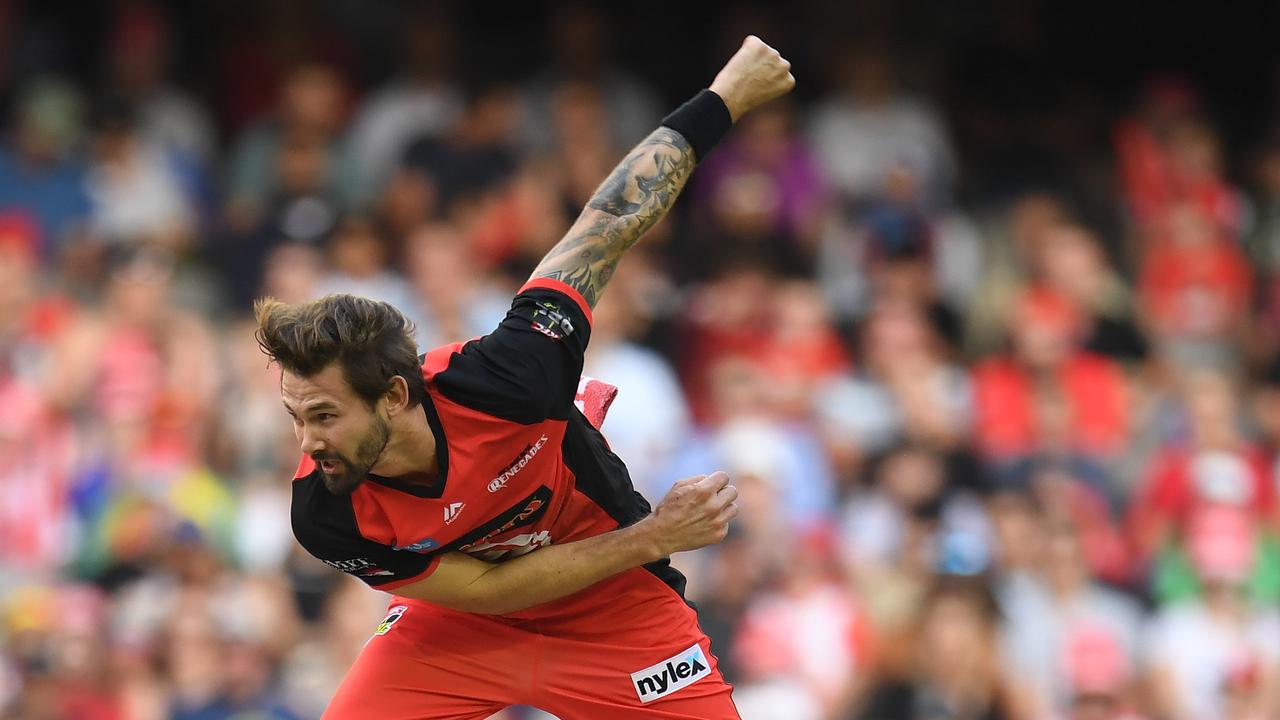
452,301
42,171
257,63
139,60
304,209
894,243
1211,467
1059,622
467,176
314,667
959,619
808,632
421,100
64,666
1235,664
1263,407
1195,286
582,146
1170,161
1264,244
1072,263
870,127
581,46
311,113
135,189
1046,393
764,188
1013,242
360,257
1078,492
903,389
913,520
747,438
783,329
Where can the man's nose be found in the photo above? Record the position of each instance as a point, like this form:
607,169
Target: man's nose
311,443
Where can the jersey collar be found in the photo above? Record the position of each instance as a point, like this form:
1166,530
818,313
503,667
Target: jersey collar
436,489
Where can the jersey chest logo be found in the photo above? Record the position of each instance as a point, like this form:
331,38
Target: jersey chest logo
515,466
522,514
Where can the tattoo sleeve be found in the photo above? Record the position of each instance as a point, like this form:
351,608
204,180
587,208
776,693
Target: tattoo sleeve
639,191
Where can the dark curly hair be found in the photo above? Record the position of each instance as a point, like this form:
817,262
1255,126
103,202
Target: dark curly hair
371,341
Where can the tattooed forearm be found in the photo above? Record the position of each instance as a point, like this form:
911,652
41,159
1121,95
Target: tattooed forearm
639,191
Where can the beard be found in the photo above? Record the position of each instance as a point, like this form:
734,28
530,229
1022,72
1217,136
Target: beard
353,470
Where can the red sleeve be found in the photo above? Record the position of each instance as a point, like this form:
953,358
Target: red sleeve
527,370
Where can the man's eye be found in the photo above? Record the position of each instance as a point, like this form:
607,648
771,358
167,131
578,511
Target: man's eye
325,417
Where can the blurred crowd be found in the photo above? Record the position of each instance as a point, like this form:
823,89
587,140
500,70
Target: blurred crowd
999,381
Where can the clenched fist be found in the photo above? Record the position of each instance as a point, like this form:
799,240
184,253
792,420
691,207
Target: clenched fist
694,513
754,75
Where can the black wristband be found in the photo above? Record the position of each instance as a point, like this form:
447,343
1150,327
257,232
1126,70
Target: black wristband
703,120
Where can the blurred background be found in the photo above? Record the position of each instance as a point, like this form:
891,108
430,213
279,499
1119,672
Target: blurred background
984,319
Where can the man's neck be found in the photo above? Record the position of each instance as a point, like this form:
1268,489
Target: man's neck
410,454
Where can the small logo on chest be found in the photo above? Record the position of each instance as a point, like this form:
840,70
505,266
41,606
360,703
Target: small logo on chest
451,513
423,545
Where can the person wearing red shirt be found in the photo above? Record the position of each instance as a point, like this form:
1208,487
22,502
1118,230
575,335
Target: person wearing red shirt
1048,394
526,569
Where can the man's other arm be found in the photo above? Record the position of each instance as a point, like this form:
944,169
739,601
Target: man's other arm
696,512
643,187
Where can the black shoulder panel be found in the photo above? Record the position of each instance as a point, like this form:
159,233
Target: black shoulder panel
527,369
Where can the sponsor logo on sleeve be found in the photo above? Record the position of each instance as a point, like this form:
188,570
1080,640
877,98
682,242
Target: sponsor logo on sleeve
550,320
360,567
516,465
393,616
671,675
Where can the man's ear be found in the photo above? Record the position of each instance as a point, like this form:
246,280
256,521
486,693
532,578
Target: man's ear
397,396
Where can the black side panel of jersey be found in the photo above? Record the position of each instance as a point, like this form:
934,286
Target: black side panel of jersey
603,477
518,373
325,525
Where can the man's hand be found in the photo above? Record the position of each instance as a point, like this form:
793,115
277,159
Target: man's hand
695,513
754,75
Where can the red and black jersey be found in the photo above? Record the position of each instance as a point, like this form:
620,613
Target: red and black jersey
521,467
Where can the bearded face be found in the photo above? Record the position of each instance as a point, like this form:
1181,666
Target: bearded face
336,428
343,474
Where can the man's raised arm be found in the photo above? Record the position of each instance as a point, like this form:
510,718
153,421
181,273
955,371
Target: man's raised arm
642,188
